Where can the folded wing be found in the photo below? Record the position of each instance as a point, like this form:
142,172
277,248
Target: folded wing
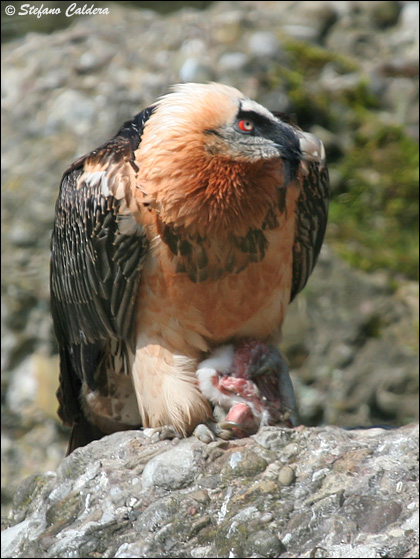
97,253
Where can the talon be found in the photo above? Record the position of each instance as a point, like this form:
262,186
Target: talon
228,430
204,433
211,431
226,435
228,425
162,433
291,418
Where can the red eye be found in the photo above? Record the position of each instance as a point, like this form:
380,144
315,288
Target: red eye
246,125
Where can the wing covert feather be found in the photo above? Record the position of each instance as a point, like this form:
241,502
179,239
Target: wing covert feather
311,223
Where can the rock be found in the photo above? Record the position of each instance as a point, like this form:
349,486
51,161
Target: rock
32,386
401,96
232,61
70,109
352,341
264,44
193,70
171,470
385,13
264,544
353,496
409,19
286,476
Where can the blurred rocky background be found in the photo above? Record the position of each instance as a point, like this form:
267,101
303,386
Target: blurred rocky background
349,72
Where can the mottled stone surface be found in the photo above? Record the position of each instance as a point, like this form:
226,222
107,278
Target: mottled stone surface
309,492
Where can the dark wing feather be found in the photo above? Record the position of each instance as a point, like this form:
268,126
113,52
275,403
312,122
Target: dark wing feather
97,252
311,222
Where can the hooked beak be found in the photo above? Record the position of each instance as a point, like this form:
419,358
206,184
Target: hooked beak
312,150
297,149
287,142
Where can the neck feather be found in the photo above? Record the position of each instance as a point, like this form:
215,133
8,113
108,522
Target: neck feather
212,194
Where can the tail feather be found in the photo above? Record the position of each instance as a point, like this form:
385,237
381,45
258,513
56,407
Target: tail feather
83,432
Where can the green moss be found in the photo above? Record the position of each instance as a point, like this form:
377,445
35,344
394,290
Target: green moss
374,208
359,98
308,59
309,106
311,103
243,464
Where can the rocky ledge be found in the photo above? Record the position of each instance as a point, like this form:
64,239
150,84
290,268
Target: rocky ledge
309,492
